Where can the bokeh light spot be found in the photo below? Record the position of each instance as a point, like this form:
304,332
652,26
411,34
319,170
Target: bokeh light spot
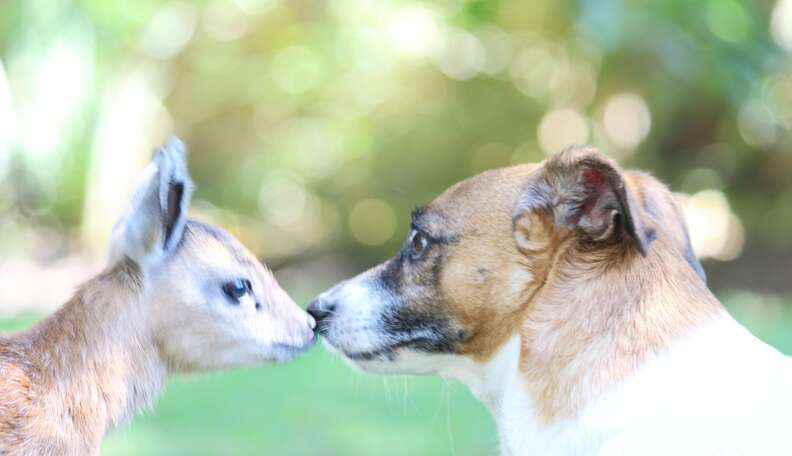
781,24
715,232
53,85
170,30
255,6
756,124
463,56
224,21
537,71
314,147
562,128
626,120
413,31
282,200
497,49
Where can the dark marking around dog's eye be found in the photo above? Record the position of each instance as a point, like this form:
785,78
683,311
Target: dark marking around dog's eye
418,244
417,213
391,276
414,317
419,224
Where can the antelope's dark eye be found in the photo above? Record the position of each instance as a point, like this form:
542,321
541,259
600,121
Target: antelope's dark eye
236,289
418,244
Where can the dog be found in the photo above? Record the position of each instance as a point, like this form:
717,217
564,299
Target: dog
566,296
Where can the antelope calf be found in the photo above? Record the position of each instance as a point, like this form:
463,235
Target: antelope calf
177,296
566,296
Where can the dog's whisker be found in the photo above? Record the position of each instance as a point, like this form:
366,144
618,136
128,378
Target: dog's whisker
449,427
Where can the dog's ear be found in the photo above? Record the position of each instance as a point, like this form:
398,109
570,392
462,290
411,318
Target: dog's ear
587,193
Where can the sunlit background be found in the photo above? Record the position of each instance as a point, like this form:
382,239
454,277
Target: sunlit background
315,126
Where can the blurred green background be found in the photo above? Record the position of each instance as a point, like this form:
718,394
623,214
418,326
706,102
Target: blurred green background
315,126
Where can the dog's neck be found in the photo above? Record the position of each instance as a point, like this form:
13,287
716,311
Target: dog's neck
499,385
490,380
588,328
97,364
595,323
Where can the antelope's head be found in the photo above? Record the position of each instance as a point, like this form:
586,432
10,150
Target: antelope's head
209,303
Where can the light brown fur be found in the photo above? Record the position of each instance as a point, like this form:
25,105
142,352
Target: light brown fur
80,372
567,297
587,316
177,296
106,353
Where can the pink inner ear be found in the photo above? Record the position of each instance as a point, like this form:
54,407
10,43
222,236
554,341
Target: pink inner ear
595,185
593,179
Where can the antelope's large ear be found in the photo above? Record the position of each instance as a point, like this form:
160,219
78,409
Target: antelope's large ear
588,194
153,224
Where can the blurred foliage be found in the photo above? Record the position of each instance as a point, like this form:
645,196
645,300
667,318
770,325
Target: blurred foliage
314,124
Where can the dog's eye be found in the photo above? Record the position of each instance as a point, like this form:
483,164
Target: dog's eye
418,244
236,289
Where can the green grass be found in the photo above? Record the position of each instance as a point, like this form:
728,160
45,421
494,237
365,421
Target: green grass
314,406
318,406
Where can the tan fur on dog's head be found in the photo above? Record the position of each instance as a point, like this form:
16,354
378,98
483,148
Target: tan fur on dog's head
619,246
562,253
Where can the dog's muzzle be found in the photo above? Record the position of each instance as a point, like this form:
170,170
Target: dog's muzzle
322,310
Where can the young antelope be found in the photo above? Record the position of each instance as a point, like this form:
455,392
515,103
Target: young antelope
177,296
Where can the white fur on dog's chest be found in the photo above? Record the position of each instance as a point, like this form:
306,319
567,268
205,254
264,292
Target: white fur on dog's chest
719,391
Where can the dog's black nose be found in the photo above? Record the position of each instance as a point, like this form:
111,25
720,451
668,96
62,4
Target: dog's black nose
321,309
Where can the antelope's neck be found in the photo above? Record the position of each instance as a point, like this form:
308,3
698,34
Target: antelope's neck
98,364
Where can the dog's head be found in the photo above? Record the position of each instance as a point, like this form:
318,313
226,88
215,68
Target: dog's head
477,257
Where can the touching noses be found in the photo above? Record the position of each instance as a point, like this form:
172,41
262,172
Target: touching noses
299,322
321,309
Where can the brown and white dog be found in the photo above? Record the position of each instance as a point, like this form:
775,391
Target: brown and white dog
566,296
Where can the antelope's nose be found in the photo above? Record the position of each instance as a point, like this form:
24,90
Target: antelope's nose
321,309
